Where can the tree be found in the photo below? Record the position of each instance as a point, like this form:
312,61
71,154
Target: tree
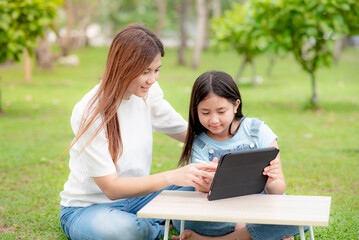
202,12
162,7
115,14
21,23
238,29
306,29
303,28
79,14
182,9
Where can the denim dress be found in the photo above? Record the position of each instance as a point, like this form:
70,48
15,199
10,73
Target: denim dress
252,134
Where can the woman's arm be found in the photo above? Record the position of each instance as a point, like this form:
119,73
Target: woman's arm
179,136
276,182
190,175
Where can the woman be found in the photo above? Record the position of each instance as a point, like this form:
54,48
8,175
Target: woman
110,156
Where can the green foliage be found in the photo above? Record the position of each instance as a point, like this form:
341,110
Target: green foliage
22,21
239,29
304,28
299,26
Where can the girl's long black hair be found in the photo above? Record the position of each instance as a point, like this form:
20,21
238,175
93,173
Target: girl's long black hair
219,83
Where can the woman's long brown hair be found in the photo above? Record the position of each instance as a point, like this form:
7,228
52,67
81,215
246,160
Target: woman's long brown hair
132,50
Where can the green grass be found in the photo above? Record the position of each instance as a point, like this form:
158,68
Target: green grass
319,149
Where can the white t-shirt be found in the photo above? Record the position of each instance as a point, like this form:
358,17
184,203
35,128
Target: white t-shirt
138,117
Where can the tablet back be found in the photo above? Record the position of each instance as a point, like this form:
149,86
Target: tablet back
241,173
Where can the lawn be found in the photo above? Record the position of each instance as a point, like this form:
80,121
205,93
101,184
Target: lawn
319,148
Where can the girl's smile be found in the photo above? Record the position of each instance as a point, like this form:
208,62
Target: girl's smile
216,115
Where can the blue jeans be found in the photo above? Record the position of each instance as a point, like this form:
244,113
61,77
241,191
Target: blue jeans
115,220
118,220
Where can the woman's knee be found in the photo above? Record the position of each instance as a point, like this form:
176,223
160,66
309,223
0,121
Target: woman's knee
108,225
133,228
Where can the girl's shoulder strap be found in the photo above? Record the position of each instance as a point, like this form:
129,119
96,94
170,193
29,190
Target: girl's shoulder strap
199,142
254,127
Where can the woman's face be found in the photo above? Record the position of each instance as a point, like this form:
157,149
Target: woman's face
142,83
216,114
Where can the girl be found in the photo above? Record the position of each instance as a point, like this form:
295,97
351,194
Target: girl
217,126
110,156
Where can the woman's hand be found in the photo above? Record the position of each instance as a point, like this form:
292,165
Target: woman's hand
208,180
197,175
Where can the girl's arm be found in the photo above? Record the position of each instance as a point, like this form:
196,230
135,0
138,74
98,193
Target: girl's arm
190,175
276,182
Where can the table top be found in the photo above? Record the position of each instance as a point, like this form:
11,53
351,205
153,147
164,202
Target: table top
255,208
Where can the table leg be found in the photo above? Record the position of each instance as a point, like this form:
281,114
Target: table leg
301,232
182,226
311,232
167,229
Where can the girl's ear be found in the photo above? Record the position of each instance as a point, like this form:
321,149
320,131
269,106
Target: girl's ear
236,105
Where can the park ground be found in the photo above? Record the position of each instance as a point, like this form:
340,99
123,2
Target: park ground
319,147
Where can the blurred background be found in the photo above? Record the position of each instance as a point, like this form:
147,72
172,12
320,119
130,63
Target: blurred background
296,63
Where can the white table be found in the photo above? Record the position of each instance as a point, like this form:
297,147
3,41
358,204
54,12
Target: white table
257,208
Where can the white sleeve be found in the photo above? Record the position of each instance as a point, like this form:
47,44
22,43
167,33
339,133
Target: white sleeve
95,158
267,136
164,117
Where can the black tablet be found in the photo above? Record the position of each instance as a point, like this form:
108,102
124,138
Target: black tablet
241,173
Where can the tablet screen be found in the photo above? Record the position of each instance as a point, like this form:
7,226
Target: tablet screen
241,173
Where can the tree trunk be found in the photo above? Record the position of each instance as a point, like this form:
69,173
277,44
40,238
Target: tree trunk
162,6
241,69
216,13
84,12
315,99
338,47
270,66
66,41
201,31
43,54
1,110
216,8
207,29
27,67
254,73
183,9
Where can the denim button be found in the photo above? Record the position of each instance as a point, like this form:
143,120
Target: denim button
211,151
251,145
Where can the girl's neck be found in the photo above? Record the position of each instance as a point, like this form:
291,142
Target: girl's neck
225,135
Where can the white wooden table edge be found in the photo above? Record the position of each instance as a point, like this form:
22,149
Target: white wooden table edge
167,201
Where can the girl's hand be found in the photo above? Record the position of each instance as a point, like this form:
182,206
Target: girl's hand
275,183
274,170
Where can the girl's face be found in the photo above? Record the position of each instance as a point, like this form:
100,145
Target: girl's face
216,114
142,83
